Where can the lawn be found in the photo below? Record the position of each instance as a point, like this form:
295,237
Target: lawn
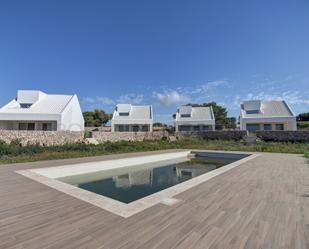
14,153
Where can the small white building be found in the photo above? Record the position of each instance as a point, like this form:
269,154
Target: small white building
258,115
132,118
190,118
35,110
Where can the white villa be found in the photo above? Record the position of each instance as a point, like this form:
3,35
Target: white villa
132,118
266,115
190,118
35,110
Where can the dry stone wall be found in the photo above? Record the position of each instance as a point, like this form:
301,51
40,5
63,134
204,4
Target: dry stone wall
283,136
102,137
213,135
43,138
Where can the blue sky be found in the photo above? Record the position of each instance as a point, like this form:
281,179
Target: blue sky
162,52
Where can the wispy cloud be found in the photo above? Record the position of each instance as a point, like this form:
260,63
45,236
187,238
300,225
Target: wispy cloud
209,86
97,100
131,98
170,98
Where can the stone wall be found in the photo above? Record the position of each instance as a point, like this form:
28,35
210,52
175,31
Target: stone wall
213,135
128,136
101,128
283,136
44,138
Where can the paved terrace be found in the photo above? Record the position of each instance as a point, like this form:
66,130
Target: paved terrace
263,203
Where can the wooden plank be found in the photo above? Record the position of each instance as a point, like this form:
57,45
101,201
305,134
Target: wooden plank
261,204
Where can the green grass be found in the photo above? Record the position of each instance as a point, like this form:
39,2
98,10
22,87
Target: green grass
14,153
303,125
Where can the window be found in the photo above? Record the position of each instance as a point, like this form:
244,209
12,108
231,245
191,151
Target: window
267,127
22,126
253,127
279,127
185,115
26,126
253,112
196,128
47,127
206,128
145,128
31,126
25,105
120,128
123,114
184,128
135,128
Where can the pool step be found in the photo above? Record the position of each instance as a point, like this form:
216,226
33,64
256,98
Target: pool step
192,155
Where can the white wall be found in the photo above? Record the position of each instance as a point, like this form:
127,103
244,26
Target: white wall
72,117
290,123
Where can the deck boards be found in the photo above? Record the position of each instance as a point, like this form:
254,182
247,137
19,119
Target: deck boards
263,203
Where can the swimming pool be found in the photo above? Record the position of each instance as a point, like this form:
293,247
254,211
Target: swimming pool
128,185
135,182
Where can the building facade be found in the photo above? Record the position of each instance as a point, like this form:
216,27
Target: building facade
258,115
36,110
132,118
189,119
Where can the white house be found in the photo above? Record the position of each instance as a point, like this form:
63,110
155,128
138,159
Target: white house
266,115
134,118
190,118
35,110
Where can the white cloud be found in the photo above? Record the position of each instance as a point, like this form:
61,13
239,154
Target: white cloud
209,86
97,100
131,98
170,98
292,97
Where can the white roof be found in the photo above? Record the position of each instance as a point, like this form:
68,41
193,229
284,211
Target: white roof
135,112
196,113
268,109
41,103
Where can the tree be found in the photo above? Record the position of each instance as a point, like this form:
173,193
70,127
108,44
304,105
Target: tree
303,117
231,123
96,118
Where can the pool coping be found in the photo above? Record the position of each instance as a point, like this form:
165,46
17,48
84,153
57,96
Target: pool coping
166,196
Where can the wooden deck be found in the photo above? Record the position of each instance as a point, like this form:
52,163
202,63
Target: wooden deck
262,204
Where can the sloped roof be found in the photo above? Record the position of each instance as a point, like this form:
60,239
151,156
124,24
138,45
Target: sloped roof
47,104
269,109
197,114
136,112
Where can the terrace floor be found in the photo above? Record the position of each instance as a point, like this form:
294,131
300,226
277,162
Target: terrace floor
264,203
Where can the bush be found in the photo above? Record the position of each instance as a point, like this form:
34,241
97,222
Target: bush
12,153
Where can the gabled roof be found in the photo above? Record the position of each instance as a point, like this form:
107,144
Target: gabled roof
135,112
267,109
43,104
195,114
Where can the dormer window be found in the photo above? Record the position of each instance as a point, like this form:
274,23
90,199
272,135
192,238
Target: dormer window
25,105
123,114
252,111
185,115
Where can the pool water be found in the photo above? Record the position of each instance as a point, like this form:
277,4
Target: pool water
132,183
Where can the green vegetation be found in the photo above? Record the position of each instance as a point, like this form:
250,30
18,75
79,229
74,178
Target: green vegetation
303,117
14,153
307,154
96,118
303,125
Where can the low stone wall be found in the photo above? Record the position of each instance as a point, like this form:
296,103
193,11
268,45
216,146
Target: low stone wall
283,136
212,135
128,136
43,138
